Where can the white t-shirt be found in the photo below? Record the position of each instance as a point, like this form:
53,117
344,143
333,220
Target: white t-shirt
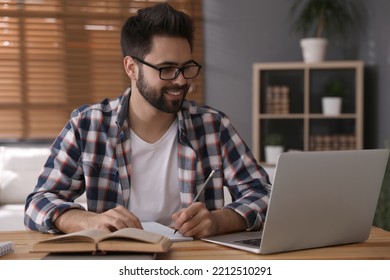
155,193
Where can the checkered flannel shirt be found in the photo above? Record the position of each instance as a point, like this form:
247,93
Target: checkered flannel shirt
92,154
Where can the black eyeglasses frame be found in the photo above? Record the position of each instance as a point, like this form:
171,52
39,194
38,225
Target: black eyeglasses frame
178,69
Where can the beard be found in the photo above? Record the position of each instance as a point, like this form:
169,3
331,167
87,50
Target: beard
158,99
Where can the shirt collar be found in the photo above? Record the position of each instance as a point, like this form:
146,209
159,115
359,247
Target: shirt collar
123,108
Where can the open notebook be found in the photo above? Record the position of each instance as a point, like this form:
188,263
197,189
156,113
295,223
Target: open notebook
318,199
165,230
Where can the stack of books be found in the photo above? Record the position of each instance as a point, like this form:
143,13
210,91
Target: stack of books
332,142
277,100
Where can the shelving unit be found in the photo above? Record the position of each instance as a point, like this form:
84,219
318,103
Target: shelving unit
297,114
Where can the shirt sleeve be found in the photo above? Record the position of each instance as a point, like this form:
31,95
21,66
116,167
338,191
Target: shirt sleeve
59,183
247,181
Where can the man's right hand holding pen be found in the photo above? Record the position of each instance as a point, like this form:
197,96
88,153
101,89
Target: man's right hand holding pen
197,221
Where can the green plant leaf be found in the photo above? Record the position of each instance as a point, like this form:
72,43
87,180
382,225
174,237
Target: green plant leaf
274,139
320,18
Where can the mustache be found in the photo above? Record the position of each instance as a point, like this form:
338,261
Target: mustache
184,88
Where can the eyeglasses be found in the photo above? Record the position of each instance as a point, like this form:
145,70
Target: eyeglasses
171,72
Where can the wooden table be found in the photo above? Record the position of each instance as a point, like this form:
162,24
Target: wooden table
376,247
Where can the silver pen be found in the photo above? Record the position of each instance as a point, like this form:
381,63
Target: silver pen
201,190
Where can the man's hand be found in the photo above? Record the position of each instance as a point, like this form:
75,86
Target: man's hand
195,221
111,220
198,221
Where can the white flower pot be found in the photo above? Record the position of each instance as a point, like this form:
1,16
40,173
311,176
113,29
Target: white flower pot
272,153
313,49
331,106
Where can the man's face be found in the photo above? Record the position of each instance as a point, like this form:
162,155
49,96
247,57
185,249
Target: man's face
165,95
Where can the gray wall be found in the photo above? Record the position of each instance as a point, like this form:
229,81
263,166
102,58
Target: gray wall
239,33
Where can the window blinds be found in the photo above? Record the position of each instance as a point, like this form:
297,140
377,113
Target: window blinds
57,55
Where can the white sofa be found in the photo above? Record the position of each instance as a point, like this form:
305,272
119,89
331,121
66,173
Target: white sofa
20,166
19,170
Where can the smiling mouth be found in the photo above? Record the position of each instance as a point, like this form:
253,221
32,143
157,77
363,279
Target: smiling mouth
177,91
174,93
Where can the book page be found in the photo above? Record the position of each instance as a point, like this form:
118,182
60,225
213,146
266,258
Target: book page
135,234
164,230
82,241
89,235
135,240
127,239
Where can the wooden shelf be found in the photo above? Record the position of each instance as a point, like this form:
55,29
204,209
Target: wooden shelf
300,117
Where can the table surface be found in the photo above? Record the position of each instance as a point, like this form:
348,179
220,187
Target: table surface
376,247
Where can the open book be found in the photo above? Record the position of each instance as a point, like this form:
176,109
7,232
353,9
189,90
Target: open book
92,240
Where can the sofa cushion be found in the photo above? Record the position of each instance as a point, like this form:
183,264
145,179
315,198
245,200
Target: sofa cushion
11,217
19,170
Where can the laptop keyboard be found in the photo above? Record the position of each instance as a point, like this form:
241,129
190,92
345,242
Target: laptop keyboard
251,242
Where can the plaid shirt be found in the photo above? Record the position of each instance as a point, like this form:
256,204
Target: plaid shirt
92,154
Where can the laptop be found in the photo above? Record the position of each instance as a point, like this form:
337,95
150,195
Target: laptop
318,199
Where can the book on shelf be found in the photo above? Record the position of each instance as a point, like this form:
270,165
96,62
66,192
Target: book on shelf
277,100
6,247
93,240
332,142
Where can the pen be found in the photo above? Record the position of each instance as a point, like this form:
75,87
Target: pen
201,190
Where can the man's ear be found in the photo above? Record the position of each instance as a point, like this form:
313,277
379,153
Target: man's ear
130,67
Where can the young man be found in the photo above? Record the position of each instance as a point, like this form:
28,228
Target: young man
145,155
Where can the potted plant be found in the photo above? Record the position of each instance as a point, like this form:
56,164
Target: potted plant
332,98
318,19
273,147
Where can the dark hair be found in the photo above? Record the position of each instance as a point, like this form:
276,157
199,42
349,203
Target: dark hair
160,19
